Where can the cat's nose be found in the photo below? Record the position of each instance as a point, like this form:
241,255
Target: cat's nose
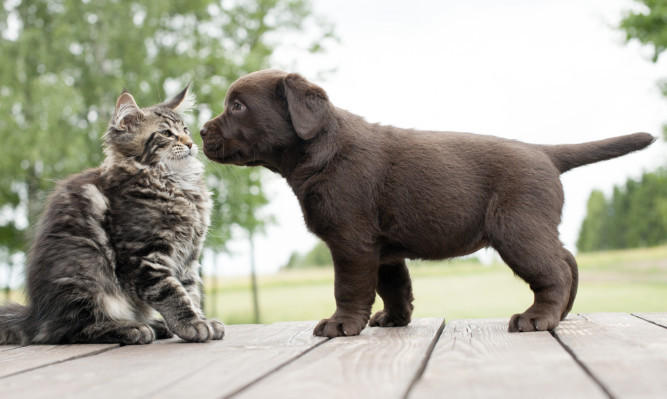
187,141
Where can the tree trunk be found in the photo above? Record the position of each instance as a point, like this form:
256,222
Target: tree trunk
253,276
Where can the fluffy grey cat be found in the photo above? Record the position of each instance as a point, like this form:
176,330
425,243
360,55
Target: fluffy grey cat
118,242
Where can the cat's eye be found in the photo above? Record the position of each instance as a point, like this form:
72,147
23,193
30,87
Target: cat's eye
237,106
167,133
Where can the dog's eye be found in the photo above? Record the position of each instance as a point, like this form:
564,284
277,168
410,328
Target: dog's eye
237,106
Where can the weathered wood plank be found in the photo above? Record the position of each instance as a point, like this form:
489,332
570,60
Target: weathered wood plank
381,362
8,347
613,355
31,357
626,354
142,371
261,353
480,359
657,318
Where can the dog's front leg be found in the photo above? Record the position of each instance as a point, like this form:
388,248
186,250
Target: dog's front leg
355,282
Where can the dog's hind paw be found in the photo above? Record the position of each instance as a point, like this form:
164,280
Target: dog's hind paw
337,326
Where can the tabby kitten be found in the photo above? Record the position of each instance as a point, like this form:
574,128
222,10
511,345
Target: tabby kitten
118,242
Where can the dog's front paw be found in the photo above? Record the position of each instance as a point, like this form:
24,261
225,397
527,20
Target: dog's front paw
339,326
532,321
384,318
199,330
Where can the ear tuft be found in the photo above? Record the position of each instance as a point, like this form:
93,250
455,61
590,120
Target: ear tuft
183,102
308,105
127,111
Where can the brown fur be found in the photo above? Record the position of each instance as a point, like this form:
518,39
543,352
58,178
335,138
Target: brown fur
379,194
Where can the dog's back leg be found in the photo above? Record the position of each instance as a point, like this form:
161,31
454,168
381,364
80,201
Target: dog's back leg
549,275
527,240
395,289
569,258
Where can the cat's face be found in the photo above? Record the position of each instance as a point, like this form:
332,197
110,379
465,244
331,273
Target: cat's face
150,135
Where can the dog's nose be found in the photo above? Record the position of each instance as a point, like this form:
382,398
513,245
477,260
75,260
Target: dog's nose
204,131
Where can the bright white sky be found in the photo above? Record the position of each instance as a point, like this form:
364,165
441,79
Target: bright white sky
539,71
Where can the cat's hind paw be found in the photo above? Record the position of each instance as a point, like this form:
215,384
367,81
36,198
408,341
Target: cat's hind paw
161,330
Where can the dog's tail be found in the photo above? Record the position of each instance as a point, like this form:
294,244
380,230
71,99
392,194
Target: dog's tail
569,156
13,318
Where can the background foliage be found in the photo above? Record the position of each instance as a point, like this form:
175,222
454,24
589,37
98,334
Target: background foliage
64,62
319,256
634,216
636,213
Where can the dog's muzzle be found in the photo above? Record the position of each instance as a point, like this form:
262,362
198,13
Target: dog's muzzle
204,131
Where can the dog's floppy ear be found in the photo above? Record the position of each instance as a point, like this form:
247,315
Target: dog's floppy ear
308,106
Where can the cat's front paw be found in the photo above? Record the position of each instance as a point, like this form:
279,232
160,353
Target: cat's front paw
199,330
218,329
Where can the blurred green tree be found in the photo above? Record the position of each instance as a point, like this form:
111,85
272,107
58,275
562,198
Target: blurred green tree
636,214
65,61
648,25
594,234
318,256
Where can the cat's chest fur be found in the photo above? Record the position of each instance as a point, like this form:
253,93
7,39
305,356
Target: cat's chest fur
153,210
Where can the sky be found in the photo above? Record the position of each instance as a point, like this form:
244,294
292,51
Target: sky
538,71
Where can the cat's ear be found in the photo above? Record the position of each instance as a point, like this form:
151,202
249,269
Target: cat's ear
182,102
127,111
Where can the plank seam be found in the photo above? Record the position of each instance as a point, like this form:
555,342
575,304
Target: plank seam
425,360
299,332
647,320
268,373
97,352
9,349
582,365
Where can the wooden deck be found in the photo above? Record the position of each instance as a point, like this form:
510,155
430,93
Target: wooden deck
601,355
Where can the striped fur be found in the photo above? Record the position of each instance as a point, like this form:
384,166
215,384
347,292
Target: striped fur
119,242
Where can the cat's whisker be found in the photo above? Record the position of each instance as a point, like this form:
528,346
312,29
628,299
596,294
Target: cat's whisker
216,166
231,169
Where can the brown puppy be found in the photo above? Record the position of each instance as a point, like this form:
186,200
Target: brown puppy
379,194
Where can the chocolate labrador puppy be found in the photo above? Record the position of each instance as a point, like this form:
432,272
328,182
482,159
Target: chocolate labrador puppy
379,194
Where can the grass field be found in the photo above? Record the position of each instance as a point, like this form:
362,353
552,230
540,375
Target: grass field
614,281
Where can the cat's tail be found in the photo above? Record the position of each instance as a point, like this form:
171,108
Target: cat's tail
13,318
569,156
